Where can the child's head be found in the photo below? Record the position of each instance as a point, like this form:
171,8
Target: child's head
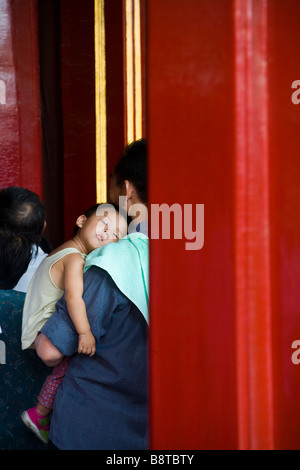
99,225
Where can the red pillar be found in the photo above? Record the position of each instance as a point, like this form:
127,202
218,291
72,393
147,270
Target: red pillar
191,124
284,151
20,129
223,131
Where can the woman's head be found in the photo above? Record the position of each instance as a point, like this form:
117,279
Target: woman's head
130,174
99,225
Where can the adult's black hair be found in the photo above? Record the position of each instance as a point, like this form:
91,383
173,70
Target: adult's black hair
133,167
21,210
45,245
15,255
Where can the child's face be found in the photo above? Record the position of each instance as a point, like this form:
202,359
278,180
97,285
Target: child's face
100,230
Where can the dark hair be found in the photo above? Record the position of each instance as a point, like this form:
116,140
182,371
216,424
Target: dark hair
15,255
92,210
133,167
21,210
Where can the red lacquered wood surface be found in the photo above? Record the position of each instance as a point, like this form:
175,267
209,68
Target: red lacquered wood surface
78,108
191,119
20,129
114,83
284,151
223,131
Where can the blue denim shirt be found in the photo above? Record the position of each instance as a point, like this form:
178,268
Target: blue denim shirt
102,402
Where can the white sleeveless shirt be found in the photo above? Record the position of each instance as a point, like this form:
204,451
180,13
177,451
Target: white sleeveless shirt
41,297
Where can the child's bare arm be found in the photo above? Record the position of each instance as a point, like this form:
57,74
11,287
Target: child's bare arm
73,283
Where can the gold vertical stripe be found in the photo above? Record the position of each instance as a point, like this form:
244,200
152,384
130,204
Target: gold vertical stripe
129,71
100,102
138,70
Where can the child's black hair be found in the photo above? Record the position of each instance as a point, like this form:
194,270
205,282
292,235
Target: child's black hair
92,210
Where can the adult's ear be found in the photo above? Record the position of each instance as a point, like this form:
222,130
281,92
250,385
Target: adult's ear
80,221
130,191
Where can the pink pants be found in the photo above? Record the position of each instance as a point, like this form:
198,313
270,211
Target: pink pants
51,384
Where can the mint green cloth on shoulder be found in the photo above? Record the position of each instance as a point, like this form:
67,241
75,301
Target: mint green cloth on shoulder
127,262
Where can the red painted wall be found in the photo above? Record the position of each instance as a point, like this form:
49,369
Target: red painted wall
20,130
78,108
114,83
223,131
190,83
284,125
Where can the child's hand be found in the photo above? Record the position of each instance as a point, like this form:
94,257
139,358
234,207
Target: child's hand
87,344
